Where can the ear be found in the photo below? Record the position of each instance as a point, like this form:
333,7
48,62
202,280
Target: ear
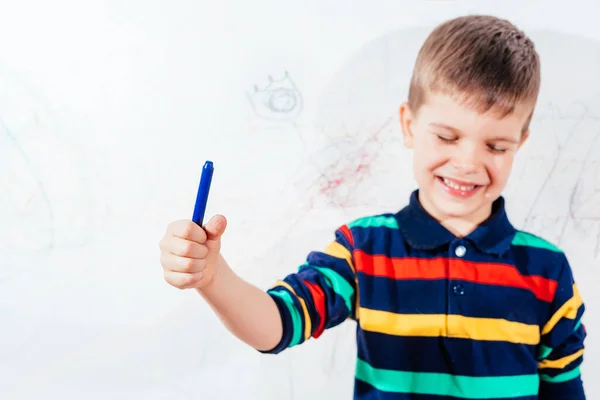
406,120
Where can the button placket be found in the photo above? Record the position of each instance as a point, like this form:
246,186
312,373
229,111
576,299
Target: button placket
456,290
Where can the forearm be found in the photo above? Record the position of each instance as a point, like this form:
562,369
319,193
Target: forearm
247,311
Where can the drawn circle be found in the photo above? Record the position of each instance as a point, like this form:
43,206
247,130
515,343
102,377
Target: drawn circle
282,100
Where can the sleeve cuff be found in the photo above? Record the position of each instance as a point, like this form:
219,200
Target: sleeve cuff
286,323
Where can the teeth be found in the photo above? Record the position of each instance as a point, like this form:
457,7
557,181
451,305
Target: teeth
456,186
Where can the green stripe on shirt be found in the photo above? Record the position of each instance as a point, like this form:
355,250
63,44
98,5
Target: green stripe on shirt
295,314
338,284
527,239
465,387
374,222
565,376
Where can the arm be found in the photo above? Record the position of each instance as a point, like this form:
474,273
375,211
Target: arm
562,347
245,310
319,296
191,258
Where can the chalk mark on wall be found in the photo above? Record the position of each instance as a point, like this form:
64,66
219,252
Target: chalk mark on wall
338,173
568,173
44,200
279,100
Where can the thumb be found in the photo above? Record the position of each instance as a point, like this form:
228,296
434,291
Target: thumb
214,228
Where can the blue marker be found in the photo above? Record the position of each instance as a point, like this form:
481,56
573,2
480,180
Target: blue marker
202,197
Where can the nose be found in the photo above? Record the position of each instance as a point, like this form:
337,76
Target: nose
466,159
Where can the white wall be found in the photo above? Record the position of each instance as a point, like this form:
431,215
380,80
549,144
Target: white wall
108,110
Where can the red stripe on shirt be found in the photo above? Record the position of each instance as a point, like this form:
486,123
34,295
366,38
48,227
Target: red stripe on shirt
318,298
346,231
445,268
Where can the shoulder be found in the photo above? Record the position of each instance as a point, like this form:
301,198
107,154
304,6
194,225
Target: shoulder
370,228
529,240
540,254
385,220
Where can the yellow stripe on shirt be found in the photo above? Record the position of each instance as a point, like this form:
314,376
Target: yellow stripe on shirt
568,310
561,362
458,326
337,250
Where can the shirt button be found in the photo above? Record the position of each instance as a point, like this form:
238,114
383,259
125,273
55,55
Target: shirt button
459,290
460,251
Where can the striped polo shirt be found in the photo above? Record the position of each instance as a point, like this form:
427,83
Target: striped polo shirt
493,315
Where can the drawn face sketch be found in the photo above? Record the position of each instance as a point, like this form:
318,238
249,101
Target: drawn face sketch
278,100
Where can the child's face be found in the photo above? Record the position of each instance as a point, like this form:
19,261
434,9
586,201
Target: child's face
462,159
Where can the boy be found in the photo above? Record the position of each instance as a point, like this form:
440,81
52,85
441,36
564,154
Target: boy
451,301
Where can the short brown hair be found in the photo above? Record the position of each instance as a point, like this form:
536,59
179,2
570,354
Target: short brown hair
484,60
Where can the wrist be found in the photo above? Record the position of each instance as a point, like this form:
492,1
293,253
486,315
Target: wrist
214,277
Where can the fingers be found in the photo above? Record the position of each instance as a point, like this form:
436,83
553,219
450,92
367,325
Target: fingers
182,247
186,229
172,262
184,251
184,281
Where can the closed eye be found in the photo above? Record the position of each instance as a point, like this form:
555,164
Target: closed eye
496,149
445,139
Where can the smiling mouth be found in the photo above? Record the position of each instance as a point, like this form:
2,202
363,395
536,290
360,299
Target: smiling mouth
458,185
459,188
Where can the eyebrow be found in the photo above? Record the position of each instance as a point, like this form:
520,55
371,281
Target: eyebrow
447,127
457,131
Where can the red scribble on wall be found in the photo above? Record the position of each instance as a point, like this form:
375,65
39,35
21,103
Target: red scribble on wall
340,179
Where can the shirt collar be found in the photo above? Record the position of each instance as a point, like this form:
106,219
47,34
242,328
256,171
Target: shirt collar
422,231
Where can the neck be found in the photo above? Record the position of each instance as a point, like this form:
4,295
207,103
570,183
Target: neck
458,226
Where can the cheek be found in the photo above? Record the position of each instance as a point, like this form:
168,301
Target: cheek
429,154
500,166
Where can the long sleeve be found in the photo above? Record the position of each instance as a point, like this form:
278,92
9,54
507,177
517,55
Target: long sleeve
321,295
562,343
